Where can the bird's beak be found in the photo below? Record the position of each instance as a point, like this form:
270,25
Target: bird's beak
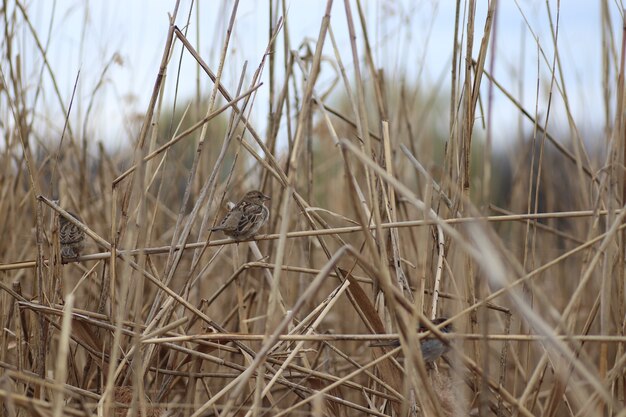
266,198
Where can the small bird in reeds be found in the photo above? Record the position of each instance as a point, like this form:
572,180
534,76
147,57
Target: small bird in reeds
432,348
72,238
246,217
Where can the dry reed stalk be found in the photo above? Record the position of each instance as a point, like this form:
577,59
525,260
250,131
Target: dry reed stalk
376,224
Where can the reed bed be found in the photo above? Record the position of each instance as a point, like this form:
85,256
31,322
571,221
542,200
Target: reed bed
379,223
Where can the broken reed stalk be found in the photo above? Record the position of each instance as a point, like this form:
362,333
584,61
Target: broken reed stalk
370,232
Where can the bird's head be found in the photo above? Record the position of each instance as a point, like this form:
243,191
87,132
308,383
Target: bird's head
445,329
255,197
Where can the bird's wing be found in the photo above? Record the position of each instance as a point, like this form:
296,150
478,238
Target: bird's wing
249,218
70,233
231,220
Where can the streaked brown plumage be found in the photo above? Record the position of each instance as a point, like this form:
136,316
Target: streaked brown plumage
72,238
246,218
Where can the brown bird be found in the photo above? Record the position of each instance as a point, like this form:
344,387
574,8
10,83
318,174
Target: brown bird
432,347
72,238
246,218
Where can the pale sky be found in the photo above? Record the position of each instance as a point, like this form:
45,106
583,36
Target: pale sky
409,38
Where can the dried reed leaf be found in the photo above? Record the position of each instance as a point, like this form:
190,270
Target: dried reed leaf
390,373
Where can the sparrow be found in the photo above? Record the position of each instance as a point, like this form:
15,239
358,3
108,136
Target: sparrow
72,238
432,348
246,217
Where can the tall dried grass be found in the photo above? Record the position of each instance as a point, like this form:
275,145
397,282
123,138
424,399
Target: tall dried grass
375,228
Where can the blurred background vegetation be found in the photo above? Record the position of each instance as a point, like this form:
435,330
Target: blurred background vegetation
382,148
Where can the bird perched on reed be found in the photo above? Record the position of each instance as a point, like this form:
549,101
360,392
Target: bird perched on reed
246,217
72,238
432,348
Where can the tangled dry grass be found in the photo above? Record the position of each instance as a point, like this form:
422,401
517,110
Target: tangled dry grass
370,236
